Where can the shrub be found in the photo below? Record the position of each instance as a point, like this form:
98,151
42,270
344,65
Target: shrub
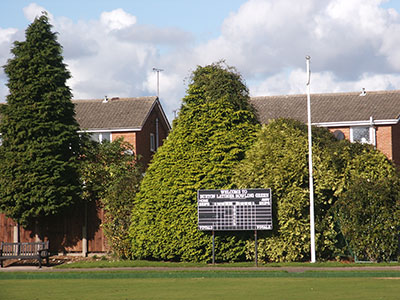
215,127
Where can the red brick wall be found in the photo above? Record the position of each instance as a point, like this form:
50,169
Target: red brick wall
129,137
387,140
384,140
396,143
143,137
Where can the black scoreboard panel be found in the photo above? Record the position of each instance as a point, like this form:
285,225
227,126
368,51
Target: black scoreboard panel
230,210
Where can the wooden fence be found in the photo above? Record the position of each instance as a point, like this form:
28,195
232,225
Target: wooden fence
65,232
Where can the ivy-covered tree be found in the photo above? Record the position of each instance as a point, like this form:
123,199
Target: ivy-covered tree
40,144
215,126
111,176
278,160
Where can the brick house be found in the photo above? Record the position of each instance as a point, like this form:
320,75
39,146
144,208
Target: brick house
366,117
141,122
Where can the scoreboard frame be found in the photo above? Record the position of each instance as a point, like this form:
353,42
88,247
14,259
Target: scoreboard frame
234,210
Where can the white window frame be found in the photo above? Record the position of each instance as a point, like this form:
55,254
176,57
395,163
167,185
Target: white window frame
100,135
371,131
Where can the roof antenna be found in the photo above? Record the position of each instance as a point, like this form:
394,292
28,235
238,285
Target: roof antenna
363,92
158,80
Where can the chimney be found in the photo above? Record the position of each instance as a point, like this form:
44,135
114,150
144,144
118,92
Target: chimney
363,92
105,99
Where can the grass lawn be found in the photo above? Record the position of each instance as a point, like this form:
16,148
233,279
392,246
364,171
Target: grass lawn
201,288
199,285
100,263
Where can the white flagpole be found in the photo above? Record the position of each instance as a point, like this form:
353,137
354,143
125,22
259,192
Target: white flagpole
310,163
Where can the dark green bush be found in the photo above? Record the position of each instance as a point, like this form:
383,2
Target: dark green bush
368,210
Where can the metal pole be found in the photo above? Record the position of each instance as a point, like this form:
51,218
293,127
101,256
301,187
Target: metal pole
213,247
158,83
310,163
255,247
158,80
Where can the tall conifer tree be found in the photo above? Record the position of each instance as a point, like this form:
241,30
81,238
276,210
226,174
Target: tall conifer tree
40,143
215,126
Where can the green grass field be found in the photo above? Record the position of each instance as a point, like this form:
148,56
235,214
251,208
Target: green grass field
104,263
199,285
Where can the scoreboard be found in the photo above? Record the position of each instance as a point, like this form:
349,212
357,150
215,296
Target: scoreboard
230,210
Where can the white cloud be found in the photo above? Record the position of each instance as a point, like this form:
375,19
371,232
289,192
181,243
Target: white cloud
294,82
116,59
353,44
346,37
34,10
151,34
7,36
170,98
117,19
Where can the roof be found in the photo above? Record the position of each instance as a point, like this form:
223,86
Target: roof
116,113
334,109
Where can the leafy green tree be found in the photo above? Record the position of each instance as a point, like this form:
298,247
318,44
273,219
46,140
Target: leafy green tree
356,193
278,160
368,209
215,126
40,143
112,176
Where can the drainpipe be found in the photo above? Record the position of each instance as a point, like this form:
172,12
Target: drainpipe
372,131
156,133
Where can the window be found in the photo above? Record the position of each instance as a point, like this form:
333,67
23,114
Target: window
152,142
105,136
101,136
362,134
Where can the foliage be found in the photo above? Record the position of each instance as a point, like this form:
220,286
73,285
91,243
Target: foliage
355,194
112,176
40,143
215,127
278,160
368,210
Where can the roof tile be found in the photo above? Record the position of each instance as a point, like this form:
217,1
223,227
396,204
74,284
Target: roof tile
117,113
337,107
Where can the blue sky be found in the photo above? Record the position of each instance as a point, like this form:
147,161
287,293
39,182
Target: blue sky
200,17
111,47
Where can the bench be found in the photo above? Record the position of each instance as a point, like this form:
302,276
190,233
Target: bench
36,250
